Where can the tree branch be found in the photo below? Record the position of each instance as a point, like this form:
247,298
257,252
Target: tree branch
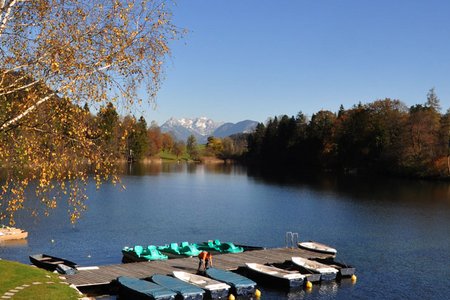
26,112
6,15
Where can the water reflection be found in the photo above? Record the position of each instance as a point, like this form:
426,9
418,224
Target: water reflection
327,290
14,243
363,188
387,228
156,168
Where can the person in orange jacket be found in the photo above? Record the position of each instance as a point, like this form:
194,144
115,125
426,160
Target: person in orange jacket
204,260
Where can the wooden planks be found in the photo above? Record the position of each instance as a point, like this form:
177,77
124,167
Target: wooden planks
105,274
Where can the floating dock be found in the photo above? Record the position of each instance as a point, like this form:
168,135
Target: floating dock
103,275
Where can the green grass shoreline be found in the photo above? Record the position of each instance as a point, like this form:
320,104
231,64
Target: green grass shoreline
27,282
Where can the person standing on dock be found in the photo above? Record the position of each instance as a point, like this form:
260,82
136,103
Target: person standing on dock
204,260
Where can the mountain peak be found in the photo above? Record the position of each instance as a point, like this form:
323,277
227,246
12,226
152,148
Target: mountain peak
200,127
203,127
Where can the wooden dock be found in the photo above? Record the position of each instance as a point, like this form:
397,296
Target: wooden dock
103,275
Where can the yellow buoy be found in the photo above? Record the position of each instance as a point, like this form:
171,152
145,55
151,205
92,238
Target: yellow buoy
308,285
231,297
257,293
354,278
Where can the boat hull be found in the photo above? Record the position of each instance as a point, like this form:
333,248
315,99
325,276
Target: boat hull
52,263
275,276
312,277
130,257
328,276
347,272
217,294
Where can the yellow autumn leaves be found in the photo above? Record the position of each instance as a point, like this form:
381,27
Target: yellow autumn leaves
56,56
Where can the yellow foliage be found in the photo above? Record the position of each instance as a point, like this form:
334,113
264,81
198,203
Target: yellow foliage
79,50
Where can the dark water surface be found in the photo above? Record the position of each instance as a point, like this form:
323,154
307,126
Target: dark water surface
396,232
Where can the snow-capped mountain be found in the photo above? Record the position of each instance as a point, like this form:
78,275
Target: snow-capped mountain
181,129
203,127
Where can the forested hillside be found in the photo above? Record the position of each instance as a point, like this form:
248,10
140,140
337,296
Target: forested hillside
379,137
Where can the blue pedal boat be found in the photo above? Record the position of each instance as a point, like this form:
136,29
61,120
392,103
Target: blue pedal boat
240,285
184,290
134,288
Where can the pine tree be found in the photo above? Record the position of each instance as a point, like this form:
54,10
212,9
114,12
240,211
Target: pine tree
433,101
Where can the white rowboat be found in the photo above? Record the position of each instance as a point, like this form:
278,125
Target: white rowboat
326,272
317,247
290,279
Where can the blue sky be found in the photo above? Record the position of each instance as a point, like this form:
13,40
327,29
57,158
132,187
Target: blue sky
247,59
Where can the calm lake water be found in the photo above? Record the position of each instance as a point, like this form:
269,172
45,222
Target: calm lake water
396,232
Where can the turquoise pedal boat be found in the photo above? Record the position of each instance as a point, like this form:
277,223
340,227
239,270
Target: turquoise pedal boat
217,246
139,253
176,251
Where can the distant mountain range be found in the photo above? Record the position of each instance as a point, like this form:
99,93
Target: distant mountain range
203,127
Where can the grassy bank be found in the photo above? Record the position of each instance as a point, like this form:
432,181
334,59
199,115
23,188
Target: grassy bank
27,282
167,156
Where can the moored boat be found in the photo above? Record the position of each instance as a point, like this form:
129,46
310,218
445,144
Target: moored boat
184,290
10,233
134,288
176,251
317,247
217,246
344,269
241,286
276,276
290,266
327,273
139,253
214,289
52,263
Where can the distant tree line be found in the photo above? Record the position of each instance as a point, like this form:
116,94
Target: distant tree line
379,137
128,137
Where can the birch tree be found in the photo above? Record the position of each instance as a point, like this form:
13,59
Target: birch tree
55,56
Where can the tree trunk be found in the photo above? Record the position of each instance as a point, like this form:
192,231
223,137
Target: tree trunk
448,164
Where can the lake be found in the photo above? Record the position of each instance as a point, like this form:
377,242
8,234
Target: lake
395,232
